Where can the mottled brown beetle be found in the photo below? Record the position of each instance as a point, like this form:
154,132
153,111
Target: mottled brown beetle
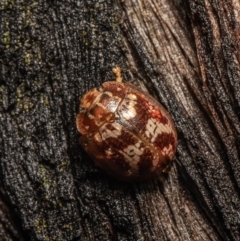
126,131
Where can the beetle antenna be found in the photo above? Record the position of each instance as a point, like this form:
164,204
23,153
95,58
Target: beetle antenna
117,71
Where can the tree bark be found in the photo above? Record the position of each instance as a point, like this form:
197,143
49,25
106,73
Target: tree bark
184,53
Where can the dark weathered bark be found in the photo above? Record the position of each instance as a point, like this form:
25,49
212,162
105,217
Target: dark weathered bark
185,53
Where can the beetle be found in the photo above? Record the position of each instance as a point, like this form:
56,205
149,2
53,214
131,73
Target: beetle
126,131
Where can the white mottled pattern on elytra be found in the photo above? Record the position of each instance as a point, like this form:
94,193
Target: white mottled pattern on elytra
90,116
128,111
168,151
100,105
108,93
154,128
105,132
113,104
109,152
155,161
132,153
98,137
132,96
